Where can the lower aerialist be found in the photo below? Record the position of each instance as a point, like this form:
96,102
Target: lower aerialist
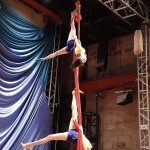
70,136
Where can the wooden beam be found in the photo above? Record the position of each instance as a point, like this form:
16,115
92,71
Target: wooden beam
42,9
122,81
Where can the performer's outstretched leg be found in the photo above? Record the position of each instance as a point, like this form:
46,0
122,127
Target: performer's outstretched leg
72,33
72,36
51,137
57,53
74,110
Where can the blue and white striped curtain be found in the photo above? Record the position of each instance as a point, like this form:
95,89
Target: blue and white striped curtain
24,113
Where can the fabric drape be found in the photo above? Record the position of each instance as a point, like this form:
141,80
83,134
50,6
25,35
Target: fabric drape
24,112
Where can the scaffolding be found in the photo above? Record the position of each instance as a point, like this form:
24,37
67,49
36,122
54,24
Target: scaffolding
143,68
53,99
127,10
54,84
91,125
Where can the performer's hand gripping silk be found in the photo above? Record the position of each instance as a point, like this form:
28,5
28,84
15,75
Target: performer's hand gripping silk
73,44
70,136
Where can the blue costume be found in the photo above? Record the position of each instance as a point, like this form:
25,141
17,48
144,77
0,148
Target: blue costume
72,136
70,45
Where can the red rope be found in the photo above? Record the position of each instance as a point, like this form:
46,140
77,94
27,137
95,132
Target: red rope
76,77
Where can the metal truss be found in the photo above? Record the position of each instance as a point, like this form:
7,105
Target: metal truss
91,125
143,68
127,9
54,84
53,99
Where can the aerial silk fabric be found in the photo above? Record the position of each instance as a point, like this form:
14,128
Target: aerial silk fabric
24,112
77,88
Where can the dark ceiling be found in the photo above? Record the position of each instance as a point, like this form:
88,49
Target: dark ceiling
98,22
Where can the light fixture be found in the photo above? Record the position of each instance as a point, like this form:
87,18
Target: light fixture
124,98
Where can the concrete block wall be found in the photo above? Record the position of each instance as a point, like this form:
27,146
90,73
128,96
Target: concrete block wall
121,59
118,126
92,62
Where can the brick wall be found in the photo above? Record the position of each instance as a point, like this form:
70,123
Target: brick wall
92,62
118,124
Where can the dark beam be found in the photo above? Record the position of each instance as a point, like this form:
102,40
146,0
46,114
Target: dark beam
122,81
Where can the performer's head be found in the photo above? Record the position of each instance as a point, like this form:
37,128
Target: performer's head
81,55
77,63
83,58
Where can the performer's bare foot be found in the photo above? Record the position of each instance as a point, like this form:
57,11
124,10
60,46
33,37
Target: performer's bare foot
40,59
74,13
28,146
47,57
73,92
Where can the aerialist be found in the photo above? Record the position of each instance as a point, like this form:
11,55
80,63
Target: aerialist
70,136
73,44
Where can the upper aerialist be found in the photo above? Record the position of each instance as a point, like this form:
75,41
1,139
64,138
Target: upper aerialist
73,44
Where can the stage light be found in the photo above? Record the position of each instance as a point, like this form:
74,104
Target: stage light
124,98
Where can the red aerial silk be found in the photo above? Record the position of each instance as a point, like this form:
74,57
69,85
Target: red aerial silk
76,78
79,142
